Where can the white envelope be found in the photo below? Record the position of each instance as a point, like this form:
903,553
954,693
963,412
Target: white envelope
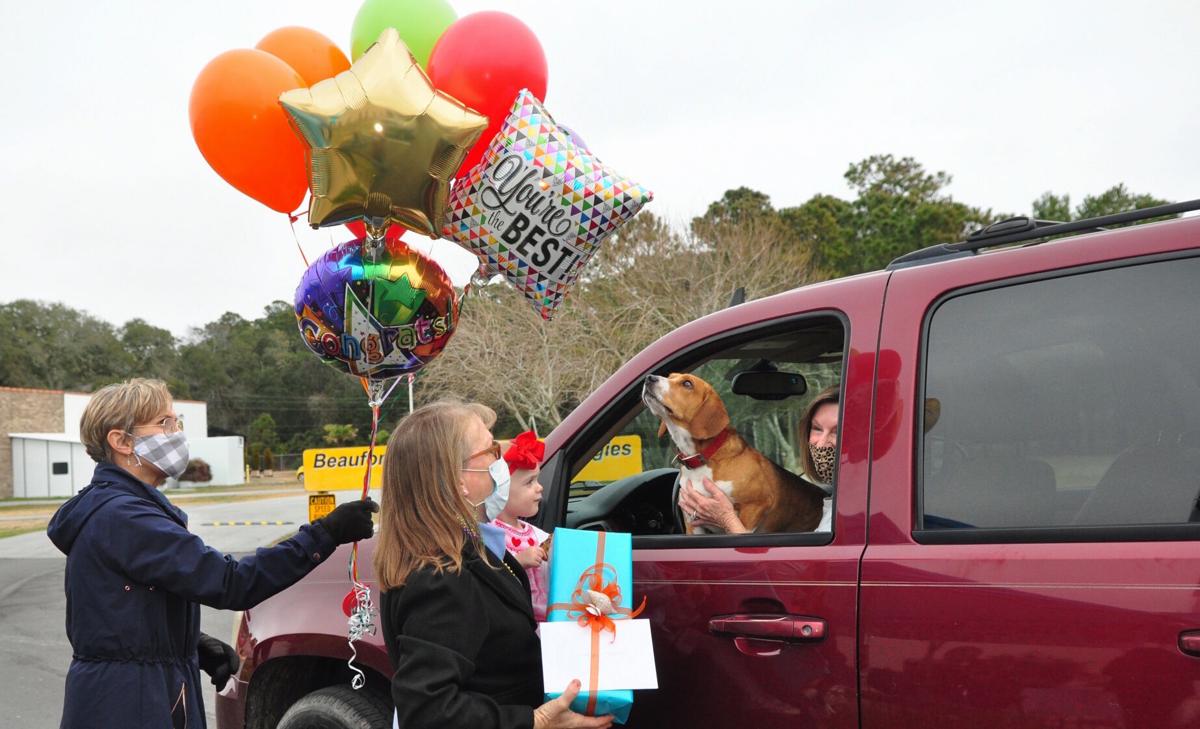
625,663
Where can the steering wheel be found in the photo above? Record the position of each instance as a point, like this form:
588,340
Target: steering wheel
632,504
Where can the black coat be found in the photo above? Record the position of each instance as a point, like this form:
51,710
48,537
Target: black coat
464,646
135,580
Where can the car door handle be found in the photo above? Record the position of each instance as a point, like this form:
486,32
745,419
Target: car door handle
1189,642
790,628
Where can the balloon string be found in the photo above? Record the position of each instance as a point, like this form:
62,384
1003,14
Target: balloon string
376,393
395,382
362,615
371,449
292,221
359,679
366,481
361,623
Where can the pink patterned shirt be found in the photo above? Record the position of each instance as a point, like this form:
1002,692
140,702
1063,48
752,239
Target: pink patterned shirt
522,537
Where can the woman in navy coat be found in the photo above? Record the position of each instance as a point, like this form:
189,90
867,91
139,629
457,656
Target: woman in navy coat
136,576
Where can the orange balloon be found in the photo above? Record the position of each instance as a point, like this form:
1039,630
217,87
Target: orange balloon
244,133
314,56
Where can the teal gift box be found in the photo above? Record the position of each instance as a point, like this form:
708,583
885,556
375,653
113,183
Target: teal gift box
577,558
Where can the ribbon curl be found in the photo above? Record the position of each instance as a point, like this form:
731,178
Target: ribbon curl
595,598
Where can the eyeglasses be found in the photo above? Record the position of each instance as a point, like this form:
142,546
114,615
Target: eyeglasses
169,424
493,450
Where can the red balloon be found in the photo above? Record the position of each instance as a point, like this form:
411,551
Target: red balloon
484,60
350,601
360,230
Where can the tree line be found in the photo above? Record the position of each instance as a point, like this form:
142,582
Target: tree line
261,382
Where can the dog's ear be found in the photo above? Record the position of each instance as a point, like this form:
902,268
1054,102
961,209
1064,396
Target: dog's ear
662,428
710,418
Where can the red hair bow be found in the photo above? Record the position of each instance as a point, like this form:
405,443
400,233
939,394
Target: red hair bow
524,452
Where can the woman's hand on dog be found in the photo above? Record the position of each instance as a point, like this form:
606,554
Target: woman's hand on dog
714,509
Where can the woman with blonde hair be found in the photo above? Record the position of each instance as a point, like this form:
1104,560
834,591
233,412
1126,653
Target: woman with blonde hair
136,576
456,611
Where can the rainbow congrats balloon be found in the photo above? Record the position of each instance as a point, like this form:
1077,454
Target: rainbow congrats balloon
376,318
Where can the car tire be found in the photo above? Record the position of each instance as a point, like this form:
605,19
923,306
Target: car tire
338,707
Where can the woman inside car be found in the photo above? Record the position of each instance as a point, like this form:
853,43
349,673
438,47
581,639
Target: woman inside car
456,611
818,457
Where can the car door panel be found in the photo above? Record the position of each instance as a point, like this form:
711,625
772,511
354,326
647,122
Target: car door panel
746,681
1064,631
709,600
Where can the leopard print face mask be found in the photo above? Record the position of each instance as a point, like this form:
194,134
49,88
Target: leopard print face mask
824,458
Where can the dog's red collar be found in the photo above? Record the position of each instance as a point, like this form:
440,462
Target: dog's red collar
696,460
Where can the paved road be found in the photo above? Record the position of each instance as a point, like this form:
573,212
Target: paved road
34,653
227,539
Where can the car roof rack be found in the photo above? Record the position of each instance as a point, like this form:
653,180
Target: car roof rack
1024,228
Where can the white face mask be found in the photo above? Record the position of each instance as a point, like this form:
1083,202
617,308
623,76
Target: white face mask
168,452
495,502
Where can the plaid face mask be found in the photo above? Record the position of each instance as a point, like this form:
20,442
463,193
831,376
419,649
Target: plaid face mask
168,452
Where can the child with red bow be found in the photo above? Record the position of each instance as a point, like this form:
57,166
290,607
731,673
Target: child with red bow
524,541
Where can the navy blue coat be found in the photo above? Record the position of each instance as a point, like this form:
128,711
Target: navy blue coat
135,580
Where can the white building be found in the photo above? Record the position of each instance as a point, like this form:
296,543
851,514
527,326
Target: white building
56,464
49,464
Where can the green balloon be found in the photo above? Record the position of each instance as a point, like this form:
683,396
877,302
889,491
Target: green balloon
419,22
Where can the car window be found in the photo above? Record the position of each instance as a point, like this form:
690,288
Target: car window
1065,402
631,469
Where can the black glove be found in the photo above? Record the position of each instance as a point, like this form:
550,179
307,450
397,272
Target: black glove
351,521
217,659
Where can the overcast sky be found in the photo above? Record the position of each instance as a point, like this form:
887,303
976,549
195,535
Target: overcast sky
109,207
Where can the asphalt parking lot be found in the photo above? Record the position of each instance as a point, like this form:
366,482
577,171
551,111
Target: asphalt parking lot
34,652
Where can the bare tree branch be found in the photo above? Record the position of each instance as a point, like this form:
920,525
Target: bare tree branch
646,281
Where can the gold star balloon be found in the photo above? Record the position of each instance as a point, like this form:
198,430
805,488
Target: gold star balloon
383,143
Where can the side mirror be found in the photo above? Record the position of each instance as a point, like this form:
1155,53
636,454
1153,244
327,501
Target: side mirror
769,385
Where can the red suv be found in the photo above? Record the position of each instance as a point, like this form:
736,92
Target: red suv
1016,534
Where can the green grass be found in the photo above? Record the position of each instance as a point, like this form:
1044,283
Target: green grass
41,513
276,483
222,498
7,509
21,528
200,492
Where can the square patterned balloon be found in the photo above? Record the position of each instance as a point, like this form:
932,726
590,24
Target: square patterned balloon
538,206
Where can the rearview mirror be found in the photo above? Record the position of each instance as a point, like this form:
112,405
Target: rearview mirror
769,385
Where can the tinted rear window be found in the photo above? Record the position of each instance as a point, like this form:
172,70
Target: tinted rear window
1064,402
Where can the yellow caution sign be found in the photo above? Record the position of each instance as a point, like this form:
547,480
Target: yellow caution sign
341,469
620,458
319,505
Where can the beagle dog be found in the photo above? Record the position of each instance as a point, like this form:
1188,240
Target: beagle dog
767,498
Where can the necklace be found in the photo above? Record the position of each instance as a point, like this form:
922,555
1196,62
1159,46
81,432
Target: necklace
475,533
